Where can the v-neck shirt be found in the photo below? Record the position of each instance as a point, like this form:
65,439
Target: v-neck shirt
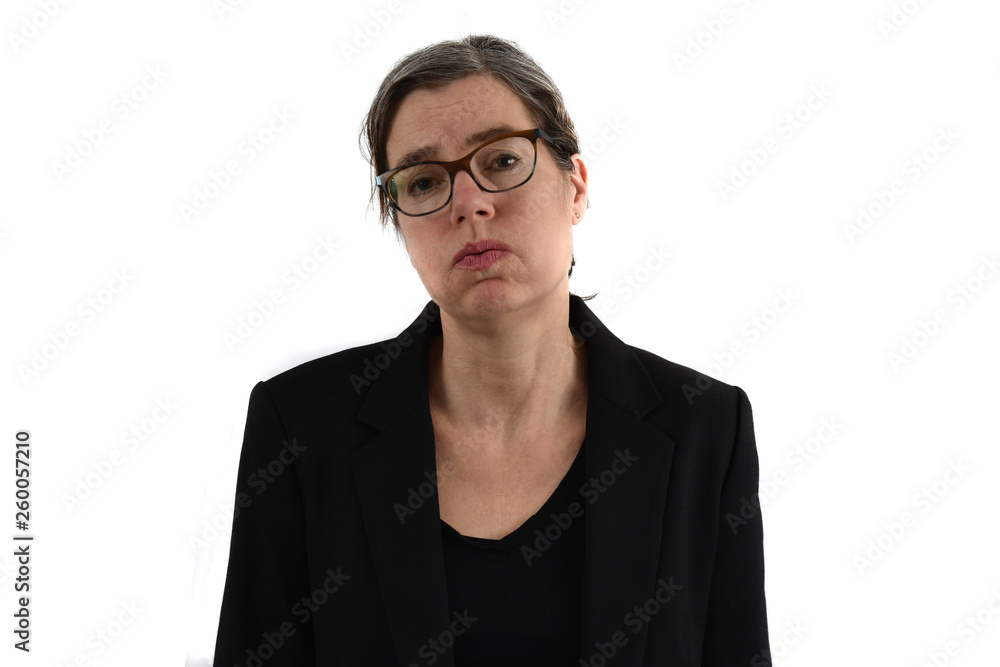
516,600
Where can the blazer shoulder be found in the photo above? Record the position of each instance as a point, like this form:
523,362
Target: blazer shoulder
707,418
682,386
339,376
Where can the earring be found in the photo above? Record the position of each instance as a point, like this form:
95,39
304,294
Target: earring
577,214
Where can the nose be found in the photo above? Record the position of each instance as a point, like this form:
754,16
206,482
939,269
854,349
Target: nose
468,200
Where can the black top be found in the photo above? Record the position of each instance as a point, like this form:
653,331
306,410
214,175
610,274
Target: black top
516,600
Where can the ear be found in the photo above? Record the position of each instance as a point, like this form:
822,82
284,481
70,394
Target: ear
578,183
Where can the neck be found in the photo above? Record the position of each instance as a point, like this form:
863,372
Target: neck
515,378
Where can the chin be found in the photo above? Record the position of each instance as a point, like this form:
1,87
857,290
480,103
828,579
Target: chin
491,297
487,298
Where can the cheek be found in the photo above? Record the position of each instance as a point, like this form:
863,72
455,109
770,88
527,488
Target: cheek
425,247
547,205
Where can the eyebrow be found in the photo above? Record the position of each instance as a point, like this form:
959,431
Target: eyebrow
475,139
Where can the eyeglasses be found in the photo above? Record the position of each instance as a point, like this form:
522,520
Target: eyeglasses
503,163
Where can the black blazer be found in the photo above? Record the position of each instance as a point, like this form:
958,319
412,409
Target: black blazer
336,555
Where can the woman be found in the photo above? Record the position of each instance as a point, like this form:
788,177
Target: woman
505,482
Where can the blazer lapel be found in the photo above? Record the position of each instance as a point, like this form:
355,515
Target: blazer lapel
395,474
627,468
627,465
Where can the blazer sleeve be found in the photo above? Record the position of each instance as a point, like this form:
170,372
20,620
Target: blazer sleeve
736,630
262,615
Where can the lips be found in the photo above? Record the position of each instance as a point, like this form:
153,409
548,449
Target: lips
480,248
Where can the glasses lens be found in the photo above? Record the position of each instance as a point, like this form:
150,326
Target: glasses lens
419,189
504,164
501,165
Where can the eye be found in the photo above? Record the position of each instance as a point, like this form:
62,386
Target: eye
422,185
505,161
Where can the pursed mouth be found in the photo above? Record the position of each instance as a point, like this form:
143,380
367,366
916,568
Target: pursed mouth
481,260
478,249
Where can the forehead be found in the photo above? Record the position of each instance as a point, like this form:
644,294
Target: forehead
440,120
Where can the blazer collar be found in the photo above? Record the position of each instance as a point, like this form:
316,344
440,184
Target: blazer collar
401,387
627,463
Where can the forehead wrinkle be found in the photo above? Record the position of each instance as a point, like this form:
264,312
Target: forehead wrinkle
472,139
429,105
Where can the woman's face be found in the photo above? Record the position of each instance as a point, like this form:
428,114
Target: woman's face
534,220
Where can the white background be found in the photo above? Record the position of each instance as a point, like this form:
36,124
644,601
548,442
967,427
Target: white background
660,136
